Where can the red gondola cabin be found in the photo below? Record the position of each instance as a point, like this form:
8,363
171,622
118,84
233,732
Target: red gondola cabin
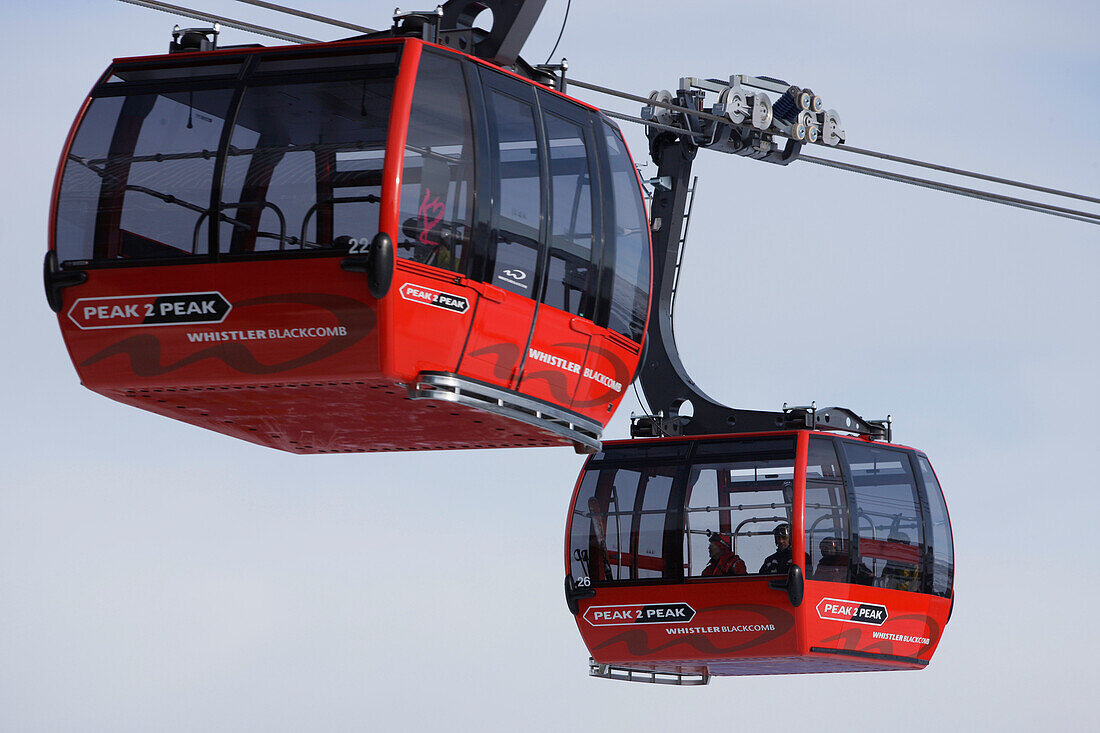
784,552
221,219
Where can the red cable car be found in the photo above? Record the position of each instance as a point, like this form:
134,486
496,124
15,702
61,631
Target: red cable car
729,541
763,553
226,224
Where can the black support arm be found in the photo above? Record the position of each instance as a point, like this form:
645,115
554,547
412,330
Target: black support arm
513,21
663,377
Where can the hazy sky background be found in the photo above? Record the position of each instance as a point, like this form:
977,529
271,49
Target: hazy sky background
154,576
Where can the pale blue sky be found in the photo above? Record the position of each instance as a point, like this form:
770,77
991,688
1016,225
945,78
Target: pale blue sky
154,576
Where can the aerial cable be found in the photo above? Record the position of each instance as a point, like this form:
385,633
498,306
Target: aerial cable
877,173
1070,213
308,16
654,125
228,22
568,5
959,190
970,174
900,178
650,102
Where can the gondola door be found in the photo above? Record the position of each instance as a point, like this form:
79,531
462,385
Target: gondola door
431,303
564,332
508,274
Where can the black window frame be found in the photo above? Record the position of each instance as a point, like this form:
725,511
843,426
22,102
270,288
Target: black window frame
493,81
928,555
921,505
249,73
476,250
682,456
609,254
583,118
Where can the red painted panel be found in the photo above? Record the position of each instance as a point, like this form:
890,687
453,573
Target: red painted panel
743,626
555,358
847,617
292,363
394,164
429,317
498,337
727,620
609,368
231,323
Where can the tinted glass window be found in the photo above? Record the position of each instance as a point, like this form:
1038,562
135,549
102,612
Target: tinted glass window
636,522
310,63
138,177
175,72
82,180
826,514
304,168
743,501
622,527
764,448
640,451
630,289
519,197
943,554
438,180
886,518
570,217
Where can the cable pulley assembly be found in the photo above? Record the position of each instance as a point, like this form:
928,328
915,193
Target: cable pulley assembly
744,119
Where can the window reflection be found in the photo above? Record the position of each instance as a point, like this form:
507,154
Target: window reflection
304,168
571,216
886,518
943,553
137,180
729,512
743,502
826,516
437,185
630,289
519,212
622,527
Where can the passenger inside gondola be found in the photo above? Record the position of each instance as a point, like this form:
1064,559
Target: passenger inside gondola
833,566
437,182
741,497
780,560
723,561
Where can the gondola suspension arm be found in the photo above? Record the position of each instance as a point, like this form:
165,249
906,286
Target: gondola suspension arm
748,125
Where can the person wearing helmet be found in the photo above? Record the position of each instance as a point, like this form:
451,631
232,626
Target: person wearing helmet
780,560
833,565
723,561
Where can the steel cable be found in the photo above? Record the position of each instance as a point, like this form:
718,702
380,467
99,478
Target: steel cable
308,16
961,191
988,196
874,172
970,174
228,22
